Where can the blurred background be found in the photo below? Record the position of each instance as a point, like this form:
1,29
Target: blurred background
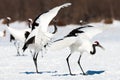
88,10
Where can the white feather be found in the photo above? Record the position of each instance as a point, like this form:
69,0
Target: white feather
63,43
42,36
91,32
82,42
46,18
18,34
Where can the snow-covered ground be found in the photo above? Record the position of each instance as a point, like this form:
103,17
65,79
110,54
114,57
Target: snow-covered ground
104,65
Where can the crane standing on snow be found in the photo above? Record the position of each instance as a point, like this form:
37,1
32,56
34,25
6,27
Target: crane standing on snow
40,37
79,40
18,36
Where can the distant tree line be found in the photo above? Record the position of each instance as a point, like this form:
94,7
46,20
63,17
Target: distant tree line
88,10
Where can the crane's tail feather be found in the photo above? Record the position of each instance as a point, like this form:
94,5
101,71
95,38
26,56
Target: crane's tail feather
62,43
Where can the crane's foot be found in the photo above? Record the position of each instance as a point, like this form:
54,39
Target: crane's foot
83,74
18,55
23,55
37,72
72,74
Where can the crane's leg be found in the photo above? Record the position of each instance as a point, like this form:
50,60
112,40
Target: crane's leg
42,53
35,61
80,65
17,47
67,59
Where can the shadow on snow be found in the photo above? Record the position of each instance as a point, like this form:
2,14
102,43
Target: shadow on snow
92,72
42,72
89,72
61,75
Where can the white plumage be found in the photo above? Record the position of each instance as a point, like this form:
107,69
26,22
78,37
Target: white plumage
62,43
79,40
40,37
46,18
89,33
18,36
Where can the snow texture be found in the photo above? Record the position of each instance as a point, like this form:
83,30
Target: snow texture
104,65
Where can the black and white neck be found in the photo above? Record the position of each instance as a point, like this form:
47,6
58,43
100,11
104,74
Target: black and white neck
94,49
8,20
55,26
30,23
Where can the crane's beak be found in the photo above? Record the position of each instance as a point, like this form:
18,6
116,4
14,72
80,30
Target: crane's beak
101,47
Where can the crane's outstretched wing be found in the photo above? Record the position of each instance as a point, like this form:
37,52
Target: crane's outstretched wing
92,31
87,30
84,32
62,43
43,20
40,25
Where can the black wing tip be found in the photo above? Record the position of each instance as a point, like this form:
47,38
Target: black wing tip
27,34
58,40
24,48
12,38
73,32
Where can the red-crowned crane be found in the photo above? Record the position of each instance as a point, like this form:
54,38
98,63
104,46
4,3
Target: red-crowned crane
40,37
17,35
79,40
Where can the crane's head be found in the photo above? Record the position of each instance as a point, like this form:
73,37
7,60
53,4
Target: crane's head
7,20
30,20
96,43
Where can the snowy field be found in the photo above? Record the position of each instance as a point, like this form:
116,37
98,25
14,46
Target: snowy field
104,65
